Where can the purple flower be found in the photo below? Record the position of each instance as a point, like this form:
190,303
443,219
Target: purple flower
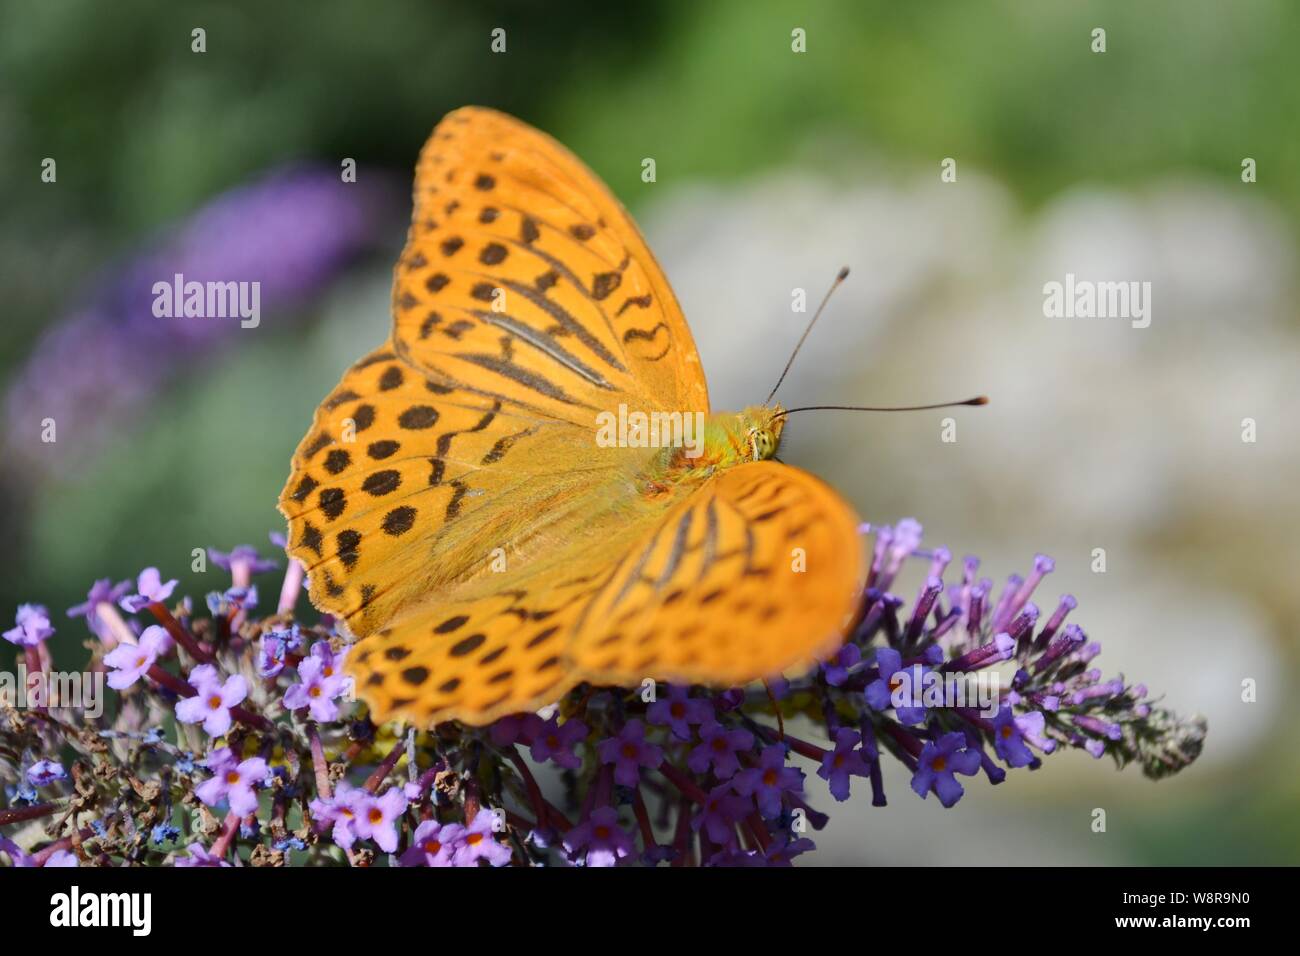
769,781
198,856
231,781
785,848
340,812
721,810
290,231
213,700
331,662
629,752
1009,734
376,817
836,670
130,662
273,648
718,747
893,675
433,844
937,764
241,556
555,741
601,836
225,603
316,691
513,729
33,626
270,655
479,843
842,762
103,591
678,711
150,588
61,858
45,772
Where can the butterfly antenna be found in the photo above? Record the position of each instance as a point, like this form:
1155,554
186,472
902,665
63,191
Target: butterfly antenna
977,400
843,274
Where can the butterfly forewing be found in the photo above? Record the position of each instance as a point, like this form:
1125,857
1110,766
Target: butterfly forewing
524,278
396,491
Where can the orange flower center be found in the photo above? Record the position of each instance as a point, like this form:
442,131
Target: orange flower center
214,702
938,764
474,839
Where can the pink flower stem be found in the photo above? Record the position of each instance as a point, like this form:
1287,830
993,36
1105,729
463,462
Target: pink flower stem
682,836
530,784
292,585
758,830
222,846
685,784
643,819
179,634
32,659
323,788
375,779
19,814
115,630
801,747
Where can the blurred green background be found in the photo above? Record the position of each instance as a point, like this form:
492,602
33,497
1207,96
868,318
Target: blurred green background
774,168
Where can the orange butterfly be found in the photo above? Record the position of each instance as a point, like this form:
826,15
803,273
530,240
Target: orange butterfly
457,510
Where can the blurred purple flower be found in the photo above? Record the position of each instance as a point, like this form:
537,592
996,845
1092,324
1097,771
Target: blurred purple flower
45,772
33,626
103,591
292,231
679,711
600,835
555,741
629,752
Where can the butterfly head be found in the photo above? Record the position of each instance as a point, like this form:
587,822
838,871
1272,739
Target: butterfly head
762,425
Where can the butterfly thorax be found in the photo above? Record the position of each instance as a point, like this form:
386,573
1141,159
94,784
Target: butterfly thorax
727,439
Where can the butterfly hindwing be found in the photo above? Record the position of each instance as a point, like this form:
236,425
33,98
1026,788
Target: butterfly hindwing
754,572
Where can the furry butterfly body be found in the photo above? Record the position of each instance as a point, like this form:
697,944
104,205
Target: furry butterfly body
455,510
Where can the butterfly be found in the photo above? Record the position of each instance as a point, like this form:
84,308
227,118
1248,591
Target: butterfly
457,512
